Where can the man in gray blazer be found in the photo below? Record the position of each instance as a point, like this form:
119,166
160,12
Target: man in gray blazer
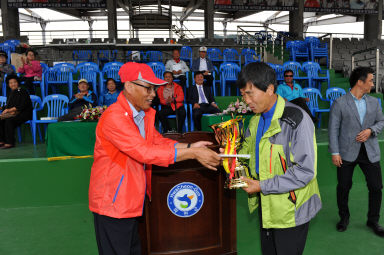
354,123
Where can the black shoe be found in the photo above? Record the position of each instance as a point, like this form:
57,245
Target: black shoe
342,225
379,230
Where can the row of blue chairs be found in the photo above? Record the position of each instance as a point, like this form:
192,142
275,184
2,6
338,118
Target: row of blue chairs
314,74
310,49
315,96
63,73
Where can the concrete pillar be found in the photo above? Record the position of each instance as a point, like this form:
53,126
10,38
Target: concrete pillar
10,21
43,27
373,24
90,24
296,21
208,20
112,19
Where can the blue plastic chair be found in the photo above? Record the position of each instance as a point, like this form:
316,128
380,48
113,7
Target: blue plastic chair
186,55
300,51
158,68
250,56
279,69
60,74
214,54
314,71
36,103
57,106
228,73
231,55
104,56
88,71
314,95
153,56
317,49
13,41
82,55
110,70
3,101
334,93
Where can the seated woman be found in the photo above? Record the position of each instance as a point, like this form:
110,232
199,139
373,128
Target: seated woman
17,110
111,96
84,97
170,94
31,69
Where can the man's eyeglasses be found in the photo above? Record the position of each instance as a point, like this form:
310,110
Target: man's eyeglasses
288,75
149,89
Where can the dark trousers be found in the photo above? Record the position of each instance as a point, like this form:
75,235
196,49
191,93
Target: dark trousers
372,173
28,82
198,113
7,129
303,105
166,111
283,241
117,236
182,80
71,114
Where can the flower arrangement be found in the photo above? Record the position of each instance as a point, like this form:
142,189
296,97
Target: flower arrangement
237,108
91,114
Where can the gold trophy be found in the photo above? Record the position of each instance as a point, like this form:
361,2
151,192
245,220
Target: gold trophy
230,135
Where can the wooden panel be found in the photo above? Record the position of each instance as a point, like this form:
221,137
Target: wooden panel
212,230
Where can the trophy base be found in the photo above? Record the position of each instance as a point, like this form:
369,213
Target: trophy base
235,184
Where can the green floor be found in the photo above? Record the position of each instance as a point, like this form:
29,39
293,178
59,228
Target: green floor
43,210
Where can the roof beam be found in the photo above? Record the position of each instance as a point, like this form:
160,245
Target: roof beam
32,17
331,21
241,14
273,19
177,13
71,12
192,6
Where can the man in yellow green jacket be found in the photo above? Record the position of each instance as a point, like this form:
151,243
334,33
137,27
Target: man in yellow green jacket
282,144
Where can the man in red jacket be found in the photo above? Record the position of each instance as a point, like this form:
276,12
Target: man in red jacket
127,144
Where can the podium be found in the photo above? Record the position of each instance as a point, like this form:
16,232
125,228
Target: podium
208,224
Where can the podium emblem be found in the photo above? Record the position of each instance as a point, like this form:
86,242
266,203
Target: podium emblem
185,199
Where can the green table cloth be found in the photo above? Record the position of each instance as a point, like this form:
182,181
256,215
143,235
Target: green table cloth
207,121
70,138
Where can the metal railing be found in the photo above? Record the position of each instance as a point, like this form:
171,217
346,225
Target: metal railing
140,10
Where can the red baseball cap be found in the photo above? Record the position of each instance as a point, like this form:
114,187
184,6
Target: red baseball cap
132,71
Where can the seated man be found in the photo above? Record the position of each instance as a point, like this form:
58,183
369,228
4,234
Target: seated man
111,96
84,97
292,92
178,67
202,100
170,94
204,64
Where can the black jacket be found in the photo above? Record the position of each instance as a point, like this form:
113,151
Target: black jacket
20,99
194,94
